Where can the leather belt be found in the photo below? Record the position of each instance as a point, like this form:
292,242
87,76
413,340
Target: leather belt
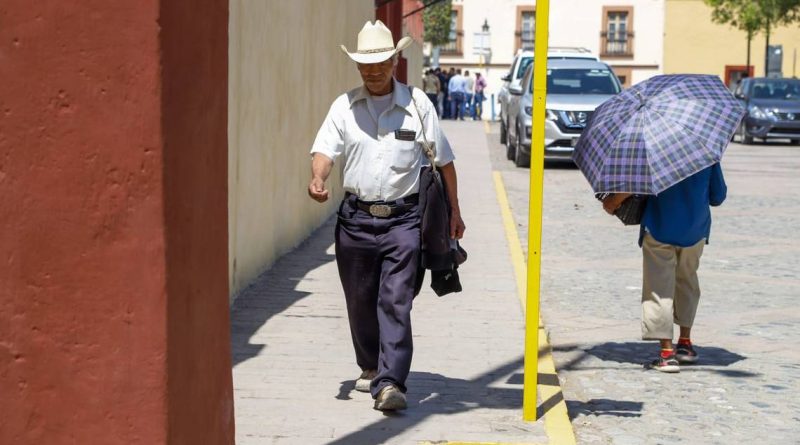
382,209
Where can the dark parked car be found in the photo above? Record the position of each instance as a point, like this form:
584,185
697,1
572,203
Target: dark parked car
773,109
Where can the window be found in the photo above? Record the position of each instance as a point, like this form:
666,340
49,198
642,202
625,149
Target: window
456,33
624,75
617,34
526,28
735,73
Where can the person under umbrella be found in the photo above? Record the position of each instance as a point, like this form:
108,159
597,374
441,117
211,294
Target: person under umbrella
664,139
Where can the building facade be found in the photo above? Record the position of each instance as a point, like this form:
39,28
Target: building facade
701,46
628,35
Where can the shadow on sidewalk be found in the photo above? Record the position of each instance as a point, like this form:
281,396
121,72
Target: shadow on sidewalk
604,407
640,353
434,394
274,291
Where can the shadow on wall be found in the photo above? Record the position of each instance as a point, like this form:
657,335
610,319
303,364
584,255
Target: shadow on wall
274,291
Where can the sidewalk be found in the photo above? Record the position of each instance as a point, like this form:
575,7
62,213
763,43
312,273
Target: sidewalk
293,360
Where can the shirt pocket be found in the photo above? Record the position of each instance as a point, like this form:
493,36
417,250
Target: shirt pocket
405,156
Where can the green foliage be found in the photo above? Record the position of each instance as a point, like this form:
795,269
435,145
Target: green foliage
436,19
753,16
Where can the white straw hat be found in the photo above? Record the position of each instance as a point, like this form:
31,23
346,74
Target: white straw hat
375,44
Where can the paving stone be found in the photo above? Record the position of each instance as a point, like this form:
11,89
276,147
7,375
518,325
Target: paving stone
746,327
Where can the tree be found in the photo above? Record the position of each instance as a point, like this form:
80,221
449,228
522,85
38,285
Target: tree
754,16
742,14
777,13
436,19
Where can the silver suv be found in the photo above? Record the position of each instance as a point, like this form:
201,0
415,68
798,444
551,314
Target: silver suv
521,62
574,89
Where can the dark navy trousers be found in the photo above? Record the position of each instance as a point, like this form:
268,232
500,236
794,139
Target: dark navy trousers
378,260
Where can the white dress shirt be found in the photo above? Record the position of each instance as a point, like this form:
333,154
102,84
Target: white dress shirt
377,165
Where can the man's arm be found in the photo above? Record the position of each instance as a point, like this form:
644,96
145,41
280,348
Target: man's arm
613,201
450,179
718,191
321,166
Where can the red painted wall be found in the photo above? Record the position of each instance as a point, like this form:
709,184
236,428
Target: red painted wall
113,232
194,37
391,14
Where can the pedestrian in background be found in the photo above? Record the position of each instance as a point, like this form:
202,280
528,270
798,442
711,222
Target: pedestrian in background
377,131
445,82
432,88
469,93
480,86
458,93
675,227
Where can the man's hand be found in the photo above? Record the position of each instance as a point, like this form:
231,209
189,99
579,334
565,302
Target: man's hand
457,226
613,201
320,170
317,190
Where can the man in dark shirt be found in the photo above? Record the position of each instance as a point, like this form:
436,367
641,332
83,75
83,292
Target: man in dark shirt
675,226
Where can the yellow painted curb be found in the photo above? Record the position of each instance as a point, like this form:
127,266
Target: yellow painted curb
557,424
470,443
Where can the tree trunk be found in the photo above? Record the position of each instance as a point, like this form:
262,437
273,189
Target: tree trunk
435,56
749,39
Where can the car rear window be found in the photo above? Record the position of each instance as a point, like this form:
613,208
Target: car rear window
580,81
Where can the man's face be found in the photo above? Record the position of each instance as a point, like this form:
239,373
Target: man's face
377,77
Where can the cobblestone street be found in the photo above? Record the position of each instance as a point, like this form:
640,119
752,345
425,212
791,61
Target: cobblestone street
743,390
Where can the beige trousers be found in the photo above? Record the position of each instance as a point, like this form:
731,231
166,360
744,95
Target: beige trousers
670,290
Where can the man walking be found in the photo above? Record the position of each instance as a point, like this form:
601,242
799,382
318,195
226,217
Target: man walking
469,87
432,88
477,108
457,88
376,129
675,226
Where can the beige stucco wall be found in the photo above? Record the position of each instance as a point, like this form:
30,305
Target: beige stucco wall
693,44
285,69
414,60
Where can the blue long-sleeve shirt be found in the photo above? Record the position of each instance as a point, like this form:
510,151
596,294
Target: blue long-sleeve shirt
680,215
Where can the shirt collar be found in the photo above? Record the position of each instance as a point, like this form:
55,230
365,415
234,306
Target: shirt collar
401,97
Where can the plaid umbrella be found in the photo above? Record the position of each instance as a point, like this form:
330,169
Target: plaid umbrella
657,133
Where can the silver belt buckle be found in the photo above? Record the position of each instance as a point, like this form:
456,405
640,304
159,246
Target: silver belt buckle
380,210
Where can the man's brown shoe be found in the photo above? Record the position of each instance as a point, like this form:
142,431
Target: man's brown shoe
390,399
363,382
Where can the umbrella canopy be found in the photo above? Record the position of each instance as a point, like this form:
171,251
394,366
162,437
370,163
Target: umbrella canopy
657,133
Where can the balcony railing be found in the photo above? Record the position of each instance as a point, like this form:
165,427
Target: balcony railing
454,47
618,44
525,40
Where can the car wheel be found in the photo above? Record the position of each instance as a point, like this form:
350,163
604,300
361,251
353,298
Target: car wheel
744,138
503,132
510,148
520,158
795,141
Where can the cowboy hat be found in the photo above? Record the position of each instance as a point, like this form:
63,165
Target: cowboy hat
375,44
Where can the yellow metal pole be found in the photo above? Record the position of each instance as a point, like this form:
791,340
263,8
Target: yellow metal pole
535,213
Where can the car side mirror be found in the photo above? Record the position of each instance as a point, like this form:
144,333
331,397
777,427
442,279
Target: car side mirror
515,90
506,78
